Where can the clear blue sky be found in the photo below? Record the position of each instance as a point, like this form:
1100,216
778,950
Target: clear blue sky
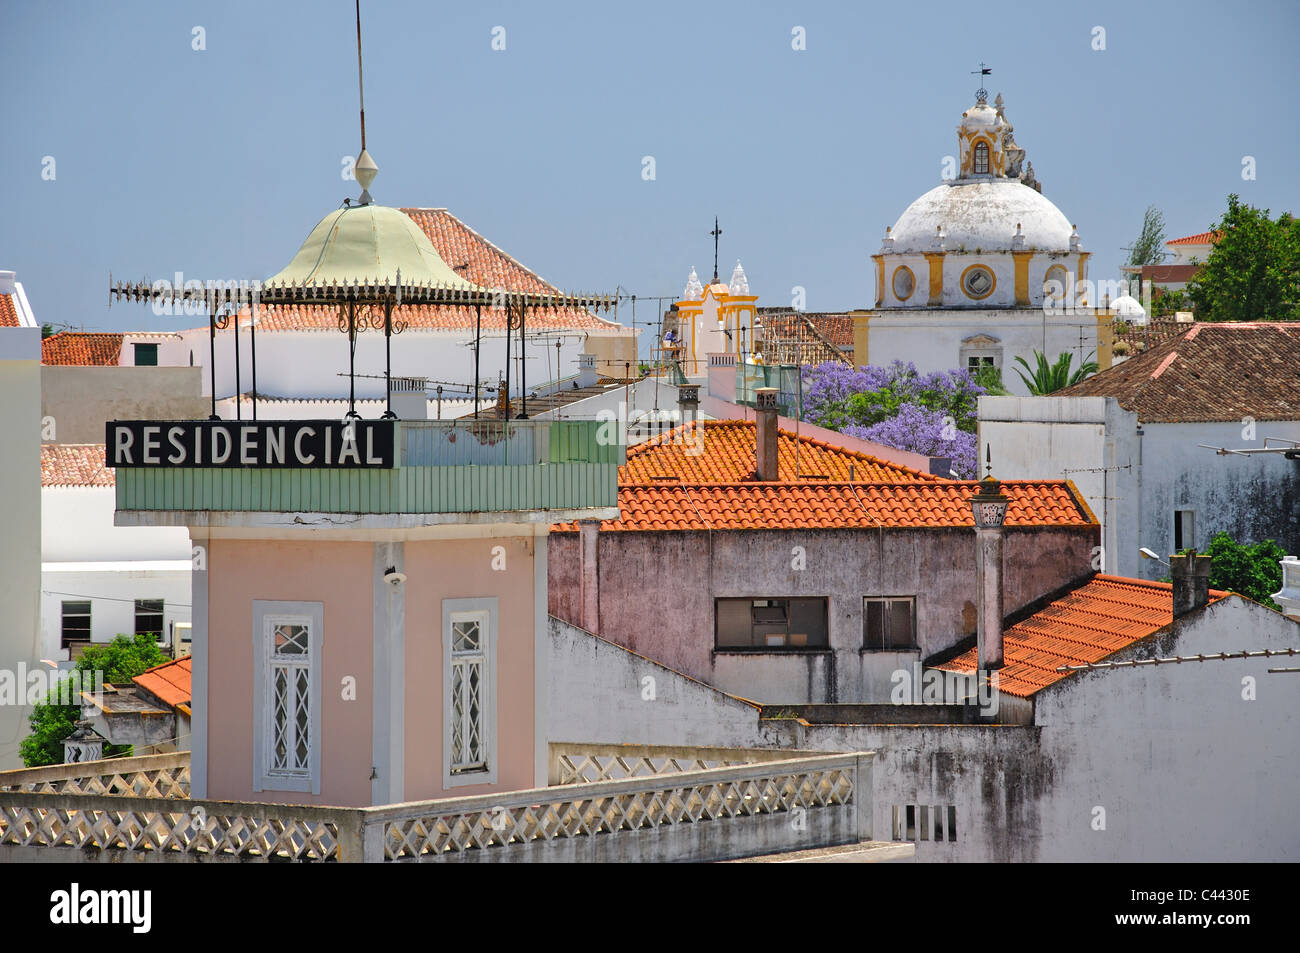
217,163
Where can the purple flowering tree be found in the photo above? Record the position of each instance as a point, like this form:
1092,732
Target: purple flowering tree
932,414
926,432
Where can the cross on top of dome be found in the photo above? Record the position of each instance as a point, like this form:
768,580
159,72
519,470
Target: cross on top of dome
981,94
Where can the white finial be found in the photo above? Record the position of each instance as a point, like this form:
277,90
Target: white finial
365,170
1074,238
1018,239
694,290
739,283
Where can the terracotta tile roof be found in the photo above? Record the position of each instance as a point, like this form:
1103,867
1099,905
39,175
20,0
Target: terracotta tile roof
1088,624
834,326
726,455
8,313
1209,372
82,347
1200,238
1170,273
938,504
1141,337
483,263
74,464
168,682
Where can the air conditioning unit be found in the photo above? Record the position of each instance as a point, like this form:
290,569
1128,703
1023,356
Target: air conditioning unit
182,633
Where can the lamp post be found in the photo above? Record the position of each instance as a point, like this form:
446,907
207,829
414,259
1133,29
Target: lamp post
989,507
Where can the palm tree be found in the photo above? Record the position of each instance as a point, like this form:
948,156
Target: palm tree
1048,378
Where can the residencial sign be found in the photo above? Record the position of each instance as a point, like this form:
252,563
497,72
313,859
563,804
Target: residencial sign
284,444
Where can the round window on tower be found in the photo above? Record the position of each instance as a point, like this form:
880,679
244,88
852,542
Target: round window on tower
978,282
904,282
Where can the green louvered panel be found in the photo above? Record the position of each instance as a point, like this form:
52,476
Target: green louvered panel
465,489
579,441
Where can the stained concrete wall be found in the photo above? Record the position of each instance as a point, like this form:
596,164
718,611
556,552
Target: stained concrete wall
1189,762
601,693
81,399
1134,476
657,594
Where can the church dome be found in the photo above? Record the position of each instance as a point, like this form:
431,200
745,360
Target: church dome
984,215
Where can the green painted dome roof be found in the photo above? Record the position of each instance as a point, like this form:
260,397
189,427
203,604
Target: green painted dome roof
368,243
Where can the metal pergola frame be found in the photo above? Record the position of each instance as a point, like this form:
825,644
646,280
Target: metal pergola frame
357,302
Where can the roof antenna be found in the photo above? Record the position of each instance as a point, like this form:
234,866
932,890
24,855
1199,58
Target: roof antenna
364,169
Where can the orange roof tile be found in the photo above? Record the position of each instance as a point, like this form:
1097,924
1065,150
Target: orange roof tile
8,313
82,347
74,464
1200,238
471,256
1088,624
918,504
722,451
168,682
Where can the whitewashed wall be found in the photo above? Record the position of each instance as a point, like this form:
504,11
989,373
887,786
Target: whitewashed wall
308,363
83,555
112,589
932,340
20,512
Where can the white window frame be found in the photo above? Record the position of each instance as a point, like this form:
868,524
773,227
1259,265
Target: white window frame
266,616
483,611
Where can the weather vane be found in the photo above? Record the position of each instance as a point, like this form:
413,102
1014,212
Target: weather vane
981,94
715,233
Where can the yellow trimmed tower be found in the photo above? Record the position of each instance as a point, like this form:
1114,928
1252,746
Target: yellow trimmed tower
716,319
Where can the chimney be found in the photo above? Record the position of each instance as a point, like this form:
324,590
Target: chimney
989,507
7,279
688,401
587,375
1191,574
765,431
408,398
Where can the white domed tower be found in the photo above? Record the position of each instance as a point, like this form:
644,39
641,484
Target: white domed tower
987,238
984,260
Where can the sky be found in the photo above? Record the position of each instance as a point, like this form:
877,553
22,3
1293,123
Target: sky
129,151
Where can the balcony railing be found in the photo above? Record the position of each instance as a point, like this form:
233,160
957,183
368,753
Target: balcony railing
649,804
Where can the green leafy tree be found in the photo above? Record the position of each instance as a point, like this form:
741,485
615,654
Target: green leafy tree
1167,302
1253,272
1047,378
1252,569
1149,248
119,661
990,378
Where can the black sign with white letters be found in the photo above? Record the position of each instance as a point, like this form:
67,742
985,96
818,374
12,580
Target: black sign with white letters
270,444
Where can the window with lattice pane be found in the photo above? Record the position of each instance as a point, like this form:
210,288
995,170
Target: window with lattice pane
289,696
468,701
